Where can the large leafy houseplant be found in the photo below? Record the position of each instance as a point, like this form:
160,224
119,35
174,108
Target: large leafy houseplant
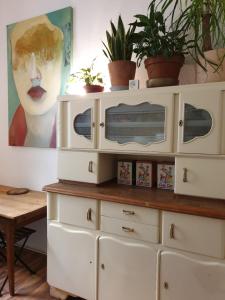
206,21
163,46
119,49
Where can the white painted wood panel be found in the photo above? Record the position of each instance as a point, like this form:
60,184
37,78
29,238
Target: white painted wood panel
130,213
204,176
78,211
71,264
127,270
211,101
193,233
190,278
130,229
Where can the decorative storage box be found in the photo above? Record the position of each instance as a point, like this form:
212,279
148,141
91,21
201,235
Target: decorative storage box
165,176
126,172
144,173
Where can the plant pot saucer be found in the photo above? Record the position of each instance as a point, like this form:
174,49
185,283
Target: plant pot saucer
157,82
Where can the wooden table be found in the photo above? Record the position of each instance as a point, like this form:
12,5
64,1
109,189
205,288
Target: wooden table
17,211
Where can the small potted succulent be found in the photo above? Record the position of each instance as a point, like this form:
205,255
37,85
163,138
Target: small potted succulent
92,81
119,50
163,47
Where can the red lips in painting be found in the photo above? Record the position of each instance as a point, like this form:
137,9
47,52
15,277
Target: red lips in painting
36,92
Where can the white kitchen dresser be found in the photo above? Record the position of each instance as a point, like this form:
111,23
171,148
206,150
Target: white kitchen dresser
107,241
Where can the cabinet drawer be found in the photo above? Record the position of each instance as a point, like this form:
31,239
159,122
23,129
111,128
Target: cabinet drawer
199,179
78,211
195,234
132,230
130,213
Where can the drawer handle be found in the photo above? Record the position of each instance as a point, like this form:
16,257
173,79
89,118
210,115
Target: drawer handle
128,212
127,229
89,215
172,227
90,166
185,175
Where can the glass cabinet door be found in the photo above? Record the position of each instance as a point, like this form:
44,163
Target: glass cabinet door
200,121
81,124
137,123
143,123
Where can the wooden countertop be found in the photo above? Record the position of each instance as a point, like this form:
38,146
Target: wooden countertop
153,198
18,206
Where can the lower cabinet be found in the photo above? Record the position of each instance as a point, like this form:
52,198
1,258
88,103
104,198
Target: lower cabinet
127,269
71,263
191,277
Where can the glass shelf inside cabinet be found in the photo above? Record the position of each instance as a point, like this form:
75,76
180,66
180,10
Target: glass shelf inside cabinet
143,123
197,122
82,124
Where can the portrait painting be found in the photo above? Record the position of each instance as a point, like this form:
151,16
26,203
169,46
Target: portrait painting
39,57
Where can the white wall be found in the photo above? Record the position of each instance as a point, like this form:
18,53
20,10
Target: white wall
32,167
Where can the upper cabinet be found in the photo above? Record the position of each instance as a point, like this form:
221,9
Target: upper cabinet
77,123
200,121
137,122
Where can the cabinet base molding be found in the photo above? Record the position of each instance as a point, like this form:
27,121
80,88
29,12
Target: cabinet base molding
59,294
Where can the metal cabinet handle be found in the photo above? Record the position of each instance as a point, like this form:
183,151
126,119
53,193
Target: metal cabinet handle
127,229
102,124
181,123
172,227
128,212
185,175
89,218
90,166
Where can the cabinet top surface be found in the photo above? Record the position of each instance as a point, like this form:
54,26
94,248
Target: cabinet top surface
151,198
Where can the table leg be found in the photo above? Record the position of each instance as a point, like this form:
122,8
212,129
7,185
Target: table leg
10,256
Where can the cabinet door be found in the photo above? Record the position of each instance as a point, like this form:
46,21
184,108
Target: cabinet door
200,122
191,278
141,122
77,124
127,270
72,260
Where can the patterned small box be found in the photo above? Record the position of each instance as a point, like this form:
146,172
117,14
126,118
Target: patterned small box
144,173
125,172
165,176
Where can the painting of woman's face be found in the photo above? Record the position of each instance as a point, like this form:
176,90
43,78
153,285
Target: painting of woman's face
39,53
37,62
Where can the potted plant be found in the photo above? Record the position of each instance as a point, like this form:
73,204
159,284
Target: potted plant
93,81
206,20
162,47
118,50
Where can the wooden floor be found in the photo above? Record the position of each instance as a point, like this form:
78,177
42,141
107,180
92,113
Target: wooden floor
27,286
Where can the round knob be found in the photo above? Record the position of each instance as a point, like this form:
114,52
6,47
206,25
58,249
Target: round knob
102,124
166,285
103,266
181,123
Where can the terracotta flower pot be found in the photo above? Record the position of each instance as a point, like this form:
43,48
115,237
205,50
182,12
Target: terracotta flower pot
211,75
120,72
92,88
163,71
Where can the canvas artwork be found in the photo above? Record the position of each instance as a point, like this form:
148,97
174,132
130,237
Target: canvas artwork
39,56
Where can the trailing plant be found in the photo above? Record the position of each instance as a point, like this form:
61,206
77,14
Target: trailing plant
119,42
155,38
87,75
206,21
